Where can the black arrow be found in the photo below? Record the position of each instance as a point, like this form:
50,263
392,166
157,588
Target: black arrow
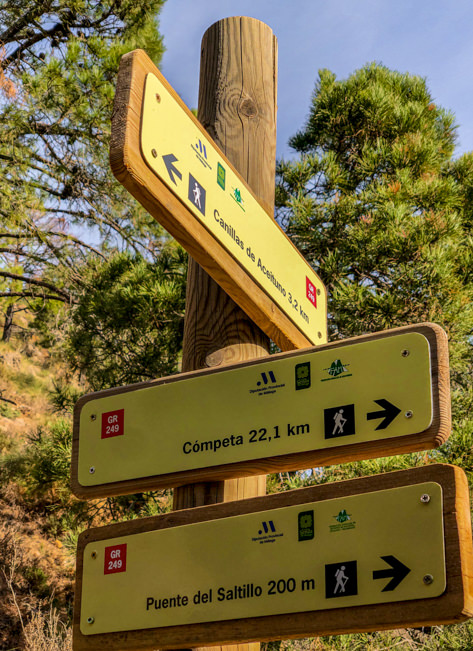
397,572
169,161
388,413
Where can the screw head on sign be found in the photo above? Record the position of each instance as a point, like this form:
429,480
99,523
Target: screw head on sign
158,97
92,470
94,554
319,334
318,292
90,620
428,579
405,353
93,417
408,414
154,153
425,499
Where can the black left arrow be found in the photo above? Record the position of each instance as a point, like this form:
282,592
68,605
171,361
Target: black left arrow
169,161
388,413
397,572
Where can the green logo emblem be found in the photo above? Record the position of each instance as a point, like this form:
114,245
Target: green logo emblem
306,525
302,376
221,176
342,516
337,370
236,196
344,522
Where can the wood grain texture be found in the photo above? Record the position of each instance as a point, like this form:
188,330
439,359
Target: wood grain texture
434,436
131,170
237,106
454,605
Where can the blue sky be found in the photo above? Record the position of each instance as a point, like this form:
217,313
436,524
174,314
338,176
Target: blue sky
432,39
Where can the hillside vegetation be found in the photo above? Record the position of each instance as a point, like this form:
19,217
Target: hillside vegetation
36,568
92,289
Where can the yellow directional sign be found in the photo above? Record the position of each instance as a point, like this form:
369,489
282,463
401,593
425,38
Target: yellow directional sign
377,546
363,397
247,252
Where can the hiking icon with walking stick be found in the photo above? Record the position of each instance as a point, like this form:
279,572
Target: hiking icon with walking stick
342,580
339,421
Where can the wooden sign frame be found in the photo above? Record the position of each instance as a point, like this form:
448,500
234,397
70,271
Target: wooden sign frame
130,168
453,606
432,437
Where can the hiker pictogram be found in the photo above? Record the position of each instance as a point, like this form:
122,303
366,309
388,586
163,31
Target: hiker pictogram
196,194
339,421
341,579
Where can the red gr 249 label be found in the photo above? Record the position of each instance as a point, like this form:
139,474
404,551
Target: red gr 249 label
115,559
311,292
112,423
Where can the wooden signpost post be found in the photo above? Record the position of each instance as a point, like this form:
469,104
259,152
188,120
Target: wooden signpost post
378,395
378,552
367,554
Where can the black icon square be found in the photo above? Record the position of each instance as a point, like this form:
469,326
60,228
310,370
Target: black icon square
339,421
341,579
196,194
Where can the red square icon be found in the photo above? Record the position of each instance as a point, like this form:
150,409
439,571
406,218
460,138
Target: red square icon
115,559
311,292
112,423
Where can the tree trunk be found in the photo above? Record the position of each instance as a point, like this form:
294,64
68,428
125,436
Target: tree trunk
8,325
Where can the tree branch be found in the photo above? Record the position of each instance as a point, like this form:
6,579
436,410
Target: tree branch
34,281
49,297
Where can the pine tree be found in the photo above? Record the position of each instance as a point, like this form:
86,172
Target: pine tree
127,325
383,212
59,203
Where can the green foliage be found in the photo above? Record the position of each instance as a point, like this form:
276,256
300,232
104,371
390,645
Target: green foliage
64,396
59,203
458,637
42,470
375,207
383,212
9,411
44,465
127,325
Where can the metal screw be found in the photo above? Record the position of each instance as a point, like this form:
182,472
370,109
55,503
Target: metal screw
425,499
428,579
319,334
90,620
92,470
154,153
158,97
405,353
318,292
93,417
408,414
94,554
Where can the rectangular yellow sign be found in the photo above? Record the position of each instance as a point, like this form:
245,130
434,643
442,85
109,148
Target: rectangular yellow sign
331,400
194,169
378,547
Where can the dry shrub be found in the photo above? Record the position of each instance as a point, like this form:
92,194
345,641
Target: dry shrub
46,632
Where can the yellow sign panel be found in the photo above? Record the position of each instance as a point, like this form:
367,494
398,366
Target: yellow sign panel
321,399
192,167
363,549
